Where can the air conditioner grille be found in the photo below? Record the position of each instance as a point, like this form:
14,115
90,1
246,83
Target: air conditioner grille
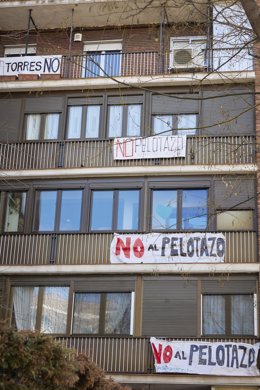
183,56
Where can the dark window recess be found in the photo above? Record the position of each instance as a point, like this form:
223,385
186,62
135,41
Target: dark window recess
15,211
179,209
42,126
124,120
181,124
58,210
83,121
102,313
115,210
228,315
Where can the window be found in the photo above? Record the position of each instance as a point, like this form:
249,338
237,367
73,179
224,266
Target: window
58,210
83,121
15,212
181,124
42,126
40,308
103,313
115,210
179,209
102,59
228,314
235,220
124,120
19,50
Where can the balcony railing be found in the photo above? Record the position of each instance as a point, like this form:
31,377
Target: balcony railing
204,150
126,354
94,249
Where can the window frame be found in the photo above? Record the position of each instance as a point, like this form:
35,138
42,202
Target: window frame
43,116
58,204
4,215
124,126
115,206
175,129
228,313
83,127
19,50
39,308
102,312
179,209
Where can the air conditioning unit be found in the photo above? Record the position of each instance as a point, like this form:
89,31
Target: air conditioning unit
187,53
77,37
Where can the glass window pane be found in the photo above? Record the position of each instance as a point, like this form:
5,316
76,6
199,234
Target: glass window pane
164,211
70,210
128,210
93,120
194,209
54,310
46,211
92,66
15,210
115,121
25,301
74,122
235,220
187,124
51,126
162,124
112,62
102,210
133,120
213,321
86,313
118,313
33,122
242,314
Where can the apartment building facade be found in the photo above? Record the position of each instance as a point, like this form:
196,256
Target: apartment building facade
128,186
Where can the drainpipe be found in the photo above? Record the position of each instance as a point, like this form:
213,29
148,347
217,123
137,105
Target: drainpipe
162,17
28,32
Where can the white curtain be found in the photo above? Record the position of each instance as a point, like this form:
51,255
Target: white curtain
213,314
51,126
33,126
242,314
133,120
54,310
115,121
25,307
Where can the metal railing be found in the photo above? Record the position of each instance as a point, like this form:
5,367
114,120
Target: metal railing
201,150
126,354
94,249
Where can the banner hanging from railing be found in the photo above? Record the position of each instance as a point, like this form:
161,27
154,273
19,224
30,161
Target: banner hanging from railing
205,358
168,248
13,66
149,147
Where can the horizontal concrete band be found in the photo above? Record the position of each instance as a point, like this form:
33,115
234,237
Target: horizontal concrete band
187,269
129,171
182,79
209,380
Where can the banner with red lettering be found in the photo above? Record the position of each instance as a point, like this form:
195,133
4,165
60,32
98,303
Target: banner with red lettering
156,146
168,248
195,357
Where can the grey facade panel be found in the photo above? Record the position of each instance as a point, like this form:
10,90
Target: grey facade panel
172,105
230,114
10,116
238,192
226,286
44,104
169,307
116,284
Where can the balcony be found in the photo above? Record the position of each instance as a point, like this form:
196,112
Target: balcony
94,249
207,150
110,65
126,354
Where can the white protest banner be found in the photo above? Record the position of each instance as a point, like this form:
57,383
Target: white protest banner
149,147
13,66
198,357
168,248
